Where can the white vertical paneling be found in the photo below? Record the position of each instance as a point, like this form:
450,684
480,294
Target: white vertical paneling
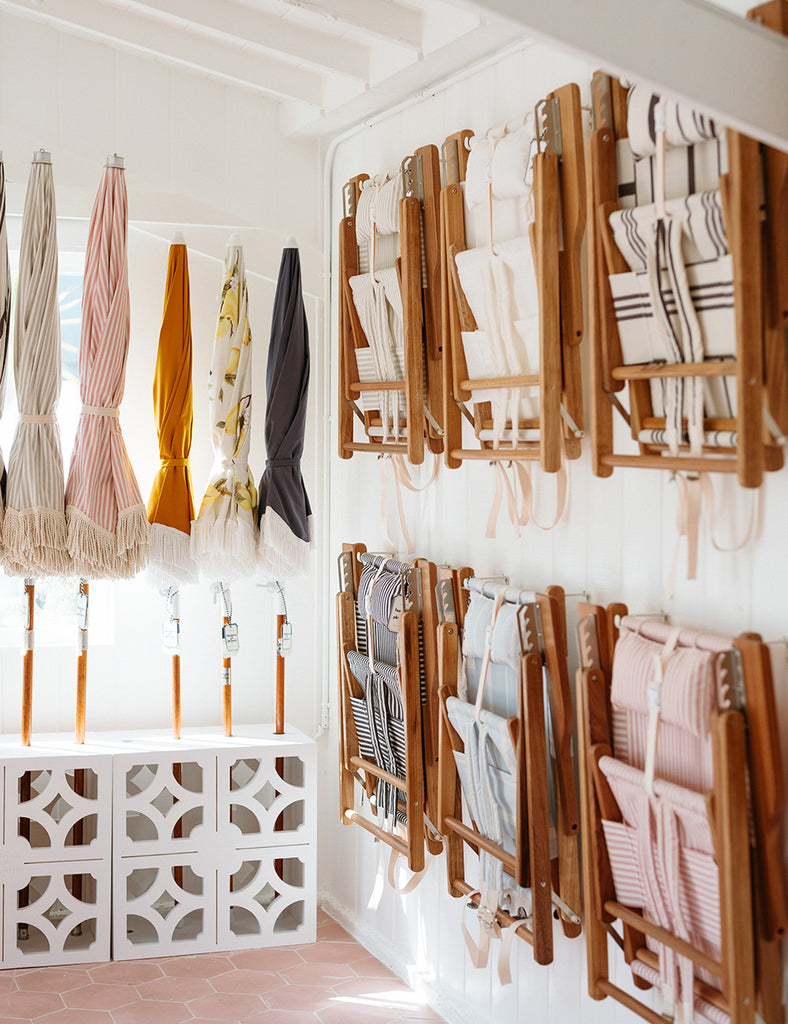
143,85
615,540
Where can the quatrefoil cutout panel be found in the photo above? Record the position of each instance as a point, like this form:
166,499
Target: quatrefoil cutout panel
55,812
266,799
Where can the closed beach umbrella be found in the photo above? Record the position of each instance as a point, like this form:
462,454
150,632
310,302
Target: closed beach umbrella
5,315
107,525
224,535
285,514
171,505
34,525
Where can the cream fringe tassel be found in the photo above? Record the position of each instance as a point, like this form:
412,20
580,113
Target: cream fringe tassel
282,555
100,554
34,543
170,561
224,549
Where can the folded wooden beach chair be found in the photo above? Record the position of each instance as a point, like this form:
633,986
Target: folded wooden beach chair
682,801
386,616
389,311
688,294
512,223
507,787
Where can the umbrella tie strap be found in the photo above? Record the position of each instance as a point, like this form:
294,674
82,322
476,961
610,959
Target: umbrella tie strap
26,417
282,462
101,410
174,462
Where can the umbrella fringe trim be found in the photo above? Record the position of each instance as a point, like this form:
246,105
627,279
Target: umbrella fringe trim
99,552
281,552
224,549
171,560
34,542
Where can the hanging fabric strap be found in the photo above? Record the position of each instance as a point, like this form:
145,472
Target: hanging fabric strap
654,698
502,487
489,928
413,881
487,657
384,505
695,492
505,952
523,472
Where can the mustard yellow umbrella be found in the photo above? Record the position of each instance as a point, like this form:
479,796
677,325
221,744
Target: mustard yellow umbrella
171,504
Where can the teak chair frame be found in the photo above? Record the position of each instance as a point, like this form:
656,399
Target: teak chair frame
417,676
560,212
753,918
543,620
418,274
760,278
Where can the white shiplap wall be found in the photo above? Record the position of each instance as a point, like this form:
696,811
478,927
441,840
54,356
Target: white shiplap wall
615,541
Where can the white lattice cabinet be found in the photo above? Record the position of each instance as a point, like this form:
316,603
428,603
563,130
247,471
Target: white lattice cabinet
214,842
55,853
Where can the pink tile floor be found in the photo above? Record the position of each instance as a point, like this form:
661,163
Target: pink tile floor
333,981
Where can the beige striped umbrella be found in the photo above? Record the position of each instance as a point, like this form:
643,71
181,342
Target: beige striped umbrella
5,317
34,525
108,531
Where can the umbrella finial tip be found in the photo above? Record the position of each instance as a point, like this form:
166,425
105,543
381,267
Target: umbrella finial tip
178,239
235,239
290,242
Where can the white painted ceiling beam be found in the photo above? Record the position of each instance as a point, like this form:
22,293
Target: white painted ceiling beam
174,45
416,78
379,18
693,50
250,26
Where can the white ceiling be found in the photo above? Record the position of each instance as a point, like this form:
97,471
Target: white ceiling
331,63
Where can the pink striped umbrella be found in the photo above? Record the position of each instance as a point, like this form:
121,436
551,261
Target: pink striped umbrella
108,531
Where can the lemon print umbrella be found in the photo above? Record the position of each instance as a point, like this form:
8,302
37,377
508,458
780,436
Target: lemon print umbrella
224,534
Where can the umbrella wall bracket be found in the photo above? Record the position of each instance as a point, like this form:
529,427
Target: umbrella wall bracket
549,427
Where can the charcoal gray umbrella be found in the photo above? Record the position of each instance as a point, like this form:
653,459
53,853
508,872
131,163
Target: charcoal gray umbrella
284,511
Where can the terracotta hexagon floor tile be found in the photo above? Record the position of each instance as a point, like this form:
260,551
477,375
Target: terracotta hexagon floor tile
199,966
318,974
369,967
332,931
52,979
382,994
419,1013
72,1016
127,972
179,990
258,982
266,959
355,1013
227,1007
282,1017
152,1011
8,983
100,997
333,952
299,997
29,1004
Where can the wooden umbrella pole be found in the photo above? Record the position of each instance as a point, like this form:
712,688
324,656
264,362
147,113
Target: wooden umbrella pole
82,662
279,728
175,619
27,665
227,700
